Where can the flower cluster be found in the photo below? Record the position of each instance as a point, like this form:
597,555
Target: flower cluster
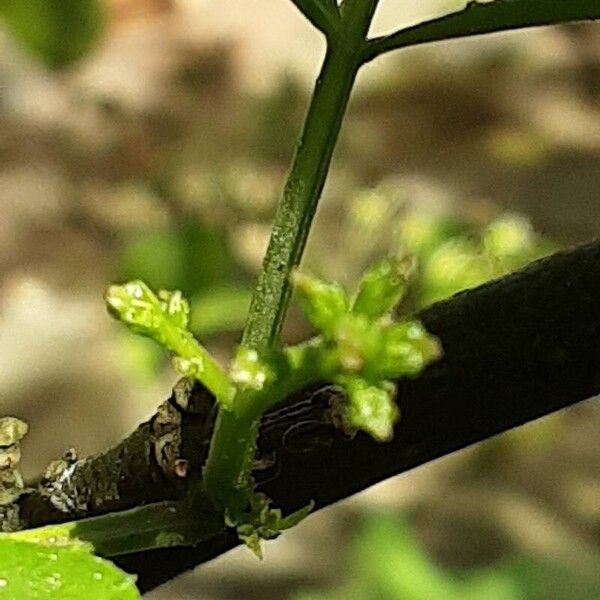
363,349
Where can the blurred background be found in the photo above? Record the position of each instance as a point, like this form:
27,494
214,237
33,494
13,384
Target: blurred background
150,139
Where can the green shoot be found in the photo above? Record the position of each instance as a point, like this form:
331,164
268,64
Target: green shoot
165,318
359,347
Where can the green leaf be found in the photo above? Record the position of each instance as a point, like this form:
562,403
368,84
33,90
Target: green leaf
156,257
45,572
191,258
486,17
392,564
58,32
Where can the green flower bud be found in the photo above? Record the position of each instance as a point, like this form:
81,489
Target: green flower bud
456,265
164,317
356,337
249,371
406,349
176,307
189,367
372,407
146,313
135,304
262,522
422,233
382,287
509,236
324,303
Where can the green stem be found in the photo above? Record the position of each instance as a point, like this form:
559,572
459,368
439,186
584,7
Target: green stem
324,16
302,191
230,457
478,18
233,444
143,528
234,439
194,360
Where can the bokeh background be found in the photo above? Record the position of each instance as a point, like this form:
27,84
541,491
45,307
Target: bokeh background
150,138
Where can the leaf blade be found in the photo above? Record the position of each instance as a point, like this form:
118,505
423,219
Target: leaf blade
43,572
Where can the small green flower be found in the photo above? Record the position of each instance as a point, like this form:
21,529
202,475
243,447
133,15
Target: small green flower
176,307
356,339
192,367
383,287
136,305
372,408
361,348
406,348
262,522
323,302
249,371
509,236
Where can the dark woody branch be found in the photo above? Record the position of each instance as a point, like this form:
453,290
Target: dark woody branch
515,349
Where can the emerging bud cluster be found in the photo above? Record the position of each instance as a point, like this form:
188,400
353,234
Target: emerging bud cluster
369,348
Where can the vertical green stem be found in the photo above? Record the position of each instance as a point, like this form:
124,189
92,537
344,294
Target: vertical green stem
233,444
302,191
230,457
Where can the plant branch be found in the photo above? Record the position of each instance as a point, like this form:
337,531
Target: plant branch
323,14
489,17
514,350
299,202
145,467
232,447
148,527
307,175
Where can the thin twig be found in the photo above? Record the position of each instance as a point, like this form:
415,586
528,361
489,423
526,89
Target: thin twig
479,18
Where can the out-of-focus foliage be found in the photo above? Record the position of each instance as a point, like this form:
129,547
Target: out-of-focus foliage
453,258
454,249
189,258
57,32
219,309
29,570
388,563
